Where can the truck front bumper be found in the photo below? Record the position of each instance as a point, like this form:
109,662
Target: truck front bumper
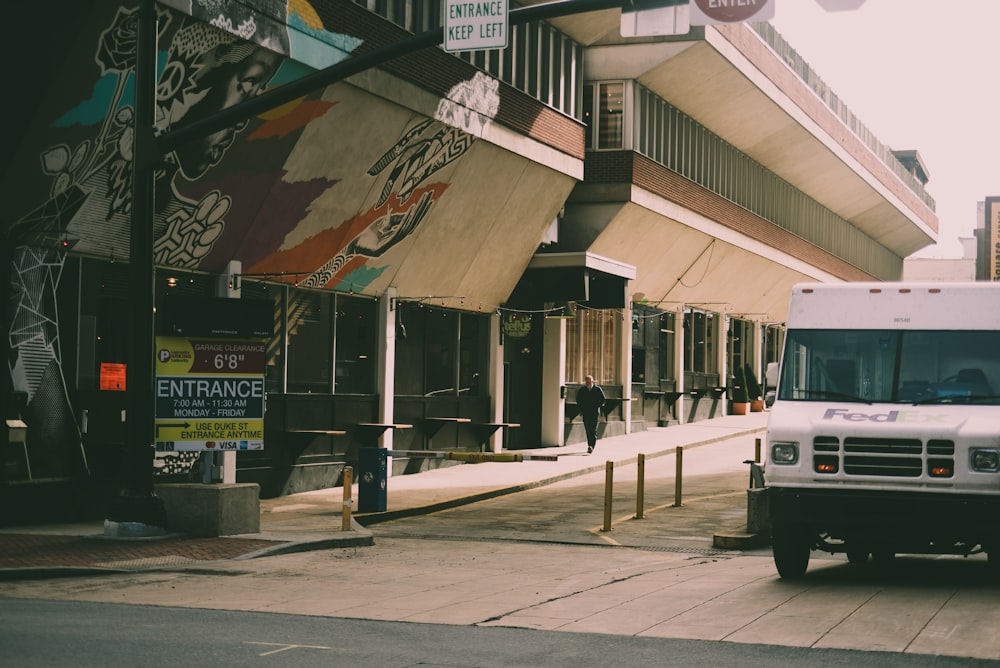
915,521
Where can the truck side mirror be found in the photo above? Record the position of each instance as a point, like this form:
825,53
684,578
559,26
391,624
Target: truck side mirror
771,375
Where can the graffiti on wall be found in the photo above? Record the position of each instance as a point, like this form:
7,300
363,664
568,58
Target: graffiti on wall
223,196
407,192
88,205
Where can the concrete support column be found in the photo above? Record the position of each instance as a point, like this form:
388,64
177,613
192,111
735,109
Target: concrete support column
227,285
385,380
625,362
679,366
493,383
722,352
758,351
553,380
726,349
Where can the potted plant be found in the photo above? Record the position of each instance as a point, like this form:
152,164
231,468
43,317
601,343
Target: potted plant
741,399
754,390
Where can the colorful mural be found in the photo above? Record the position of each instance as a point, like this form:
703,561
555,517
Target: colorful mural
228,195
335,256
87,163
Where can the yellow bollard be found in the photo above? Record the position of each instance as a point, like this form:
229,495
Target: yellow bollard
640,488
678,475
348,501
609,475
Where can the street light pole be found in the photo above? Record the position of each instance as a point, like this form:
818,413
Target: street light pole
137,510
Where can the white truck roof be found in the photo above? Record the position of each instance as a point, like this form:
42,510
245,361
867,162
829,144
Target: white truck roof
895,305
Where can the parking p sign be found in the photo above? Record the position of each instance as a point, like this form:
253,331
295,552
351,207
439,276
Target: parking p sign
474,25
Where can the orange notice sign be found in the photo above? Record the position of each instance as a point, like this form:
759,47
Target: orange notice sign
112,376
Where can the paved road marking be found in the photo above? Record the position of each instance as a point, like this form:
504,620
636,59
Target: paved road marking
283,647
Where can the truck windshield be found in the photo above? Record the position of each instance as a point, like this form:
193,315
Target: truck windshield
891,366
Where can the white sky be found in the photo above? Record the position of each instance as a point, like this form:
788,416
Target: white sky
920,75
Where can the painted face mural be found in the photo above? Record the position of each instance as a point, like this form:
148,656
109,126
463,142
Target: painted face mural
194,89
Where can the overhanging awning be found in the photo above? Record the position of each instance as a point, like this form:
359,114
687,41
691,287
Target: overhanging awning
585,278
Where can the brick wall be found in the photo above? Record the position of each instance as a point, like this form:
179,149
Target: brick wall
437,72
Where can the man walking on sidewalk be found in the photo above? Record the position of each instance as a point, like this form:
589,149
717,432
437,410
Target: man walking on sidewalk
589,401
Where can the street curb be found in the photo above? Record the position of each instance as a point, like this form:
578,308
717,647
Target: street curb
53,572
356,539
740,539
358,536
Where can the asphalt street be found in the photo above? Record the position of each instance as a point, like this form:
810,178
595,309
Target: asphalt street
528,549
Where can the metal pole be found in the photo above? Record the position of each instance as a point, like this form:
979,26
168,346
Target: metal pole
756,450
678,475
640,488
609,477
348,501
137,502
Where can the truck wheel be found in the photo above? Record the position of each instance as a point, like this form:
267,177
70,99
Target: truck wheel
791,553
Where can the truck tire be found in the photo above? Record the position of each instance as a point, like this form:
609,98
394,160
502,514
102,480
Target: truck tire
791,552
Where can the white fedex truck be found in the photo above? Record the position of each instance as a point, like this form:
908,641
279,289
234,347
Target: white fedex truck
884,435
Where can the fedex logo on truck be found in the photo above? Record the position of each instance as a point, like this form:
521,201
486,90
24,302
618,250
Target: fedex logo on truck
891,416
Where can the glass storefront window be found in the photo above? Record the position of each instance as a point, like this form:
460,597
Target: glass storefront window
274,359
668,338
473,354
355,345
741,345
427,341
592,342
699,342
310,341
588,116
439,354
611,115
652,346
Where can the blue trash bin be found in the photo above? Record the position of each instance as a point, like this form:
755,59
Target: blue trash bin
373,479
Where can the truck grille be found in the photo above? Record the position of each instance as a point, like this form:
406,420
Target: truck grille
892,457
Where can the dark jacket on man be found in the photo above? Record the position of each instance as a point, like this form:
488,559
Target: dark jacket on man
590,401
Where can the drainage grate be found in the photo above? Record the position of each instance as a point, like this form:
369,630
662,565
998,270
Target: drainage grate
149,562
707,552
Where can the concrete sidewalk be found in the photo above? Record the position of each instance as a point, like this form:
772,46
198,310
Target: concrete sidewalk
314,520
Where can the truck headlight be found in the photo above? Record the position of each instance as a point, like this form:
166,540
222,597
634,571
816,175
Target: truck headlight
986,460
785,453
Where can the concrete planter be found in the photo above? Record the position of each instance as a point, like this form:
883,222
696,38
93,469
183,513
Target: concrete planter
211,510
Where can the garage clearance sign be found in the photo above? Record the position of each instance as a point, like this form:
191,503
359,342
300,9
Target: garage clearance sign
209,394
